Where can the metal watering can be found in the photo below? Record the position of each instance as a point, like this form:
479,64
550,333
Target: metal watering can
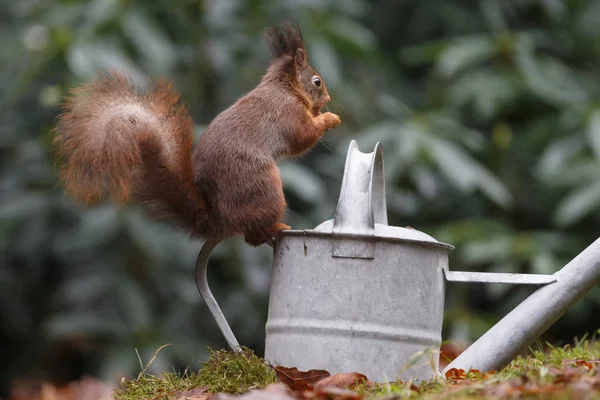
354,294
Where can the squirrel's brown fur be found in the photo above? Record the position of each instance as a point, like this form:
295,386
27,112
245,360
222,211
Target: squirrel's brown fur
138,146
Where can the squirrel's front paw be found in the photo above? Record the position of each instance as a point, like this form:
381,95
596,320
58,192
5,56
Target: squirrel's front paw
331,120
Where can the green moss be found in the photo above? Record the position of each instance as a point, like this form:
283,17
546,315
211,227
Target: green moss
538,375
541,374
224,372
227,372
535,366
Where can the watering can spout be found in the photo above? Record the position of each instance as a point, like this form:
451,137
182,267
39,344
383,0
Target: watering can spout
519,328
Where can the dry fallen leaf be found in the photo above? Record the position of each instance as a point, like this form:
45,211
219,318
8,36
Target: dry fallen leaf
415,388
455,374
49,391
349,380
193,394
519,387
85,389
93,389
24,389
274,391
586,384
448,353
503,389
579,363
299,380
567,373
336,393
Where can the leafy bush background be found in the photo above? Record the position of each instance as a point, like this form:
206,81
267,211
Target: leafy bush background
488,112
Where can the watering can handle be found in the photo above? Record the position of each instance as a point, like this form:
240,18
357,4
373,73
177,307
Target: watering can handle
361,204
209,299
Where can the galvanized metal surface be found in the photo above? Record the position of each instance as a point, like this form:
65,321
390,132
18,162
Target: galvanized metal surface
353,314
209,299
519,328
361,204
355,294
499,277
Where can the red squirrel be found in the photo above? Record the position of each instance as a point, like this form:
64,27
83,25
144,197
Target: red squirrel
138,146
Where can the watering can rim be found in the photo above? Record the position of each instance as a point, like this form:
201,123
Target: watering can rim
377,235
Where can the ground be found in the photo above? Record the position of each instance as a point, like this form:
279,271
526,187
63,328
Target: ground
568,372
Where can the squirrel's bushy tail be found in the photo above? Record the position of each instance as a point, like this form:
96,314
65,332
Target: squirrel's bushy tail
134,145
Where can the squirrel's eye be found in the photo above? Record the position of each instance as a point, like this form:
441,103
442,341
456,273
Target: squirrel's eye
317,81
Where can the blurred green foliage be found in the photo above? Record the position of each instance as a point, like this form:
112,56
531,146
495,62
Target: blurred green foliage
489,115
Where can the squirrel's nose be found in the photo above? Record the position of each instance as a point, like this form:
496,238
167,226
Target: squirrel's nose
327,98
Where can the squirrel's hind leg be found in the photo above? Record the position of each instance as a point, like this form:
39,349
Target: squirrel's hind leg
264,209
256,238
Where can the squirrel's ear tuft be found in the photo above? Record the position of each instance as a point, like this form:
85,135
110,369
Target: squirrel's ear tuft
285,40
300,58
